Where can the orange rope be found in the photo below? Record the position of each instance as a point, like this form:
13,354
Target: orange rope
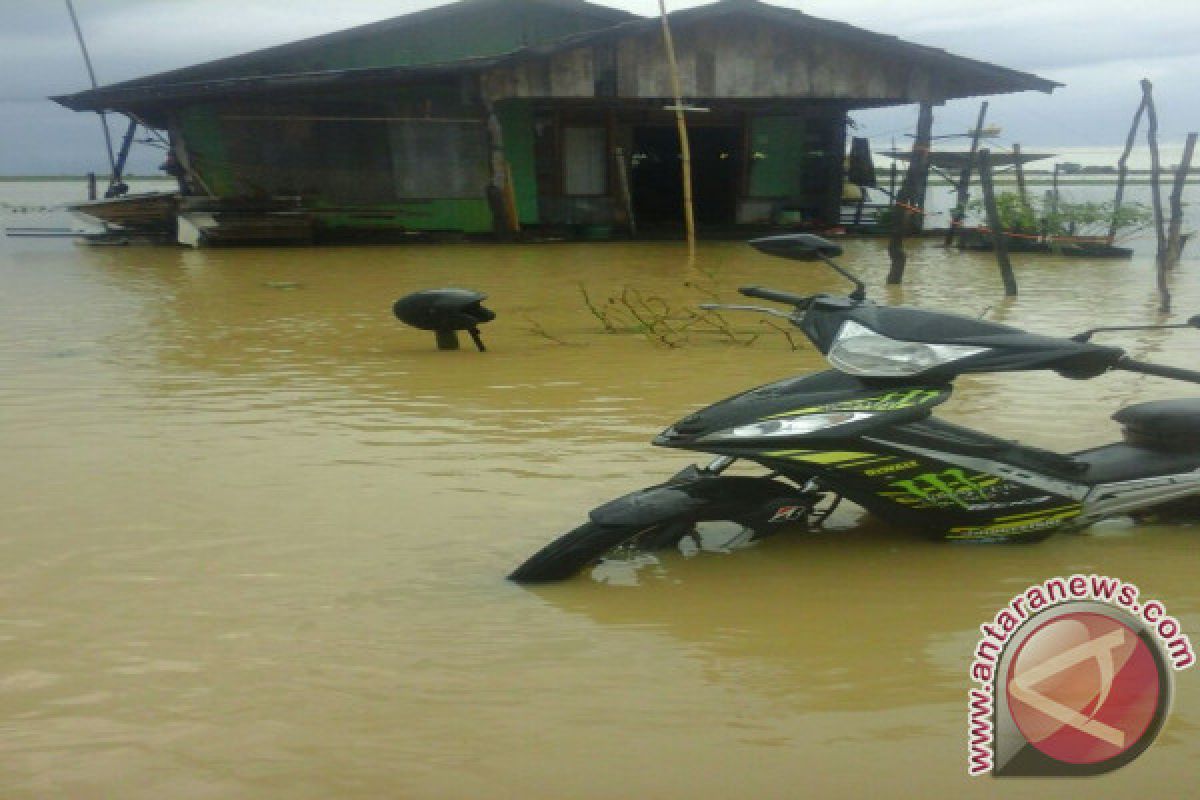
1042,238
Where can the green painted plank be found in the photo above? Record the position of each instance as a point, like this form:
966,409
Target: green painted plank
516,120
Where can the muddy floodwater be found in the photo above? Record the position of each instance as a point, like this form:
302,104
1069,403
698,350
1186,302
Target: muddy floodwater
254,534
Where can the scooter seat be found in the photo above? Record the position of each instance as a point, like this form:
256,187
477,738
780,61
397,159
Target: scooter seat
1163,425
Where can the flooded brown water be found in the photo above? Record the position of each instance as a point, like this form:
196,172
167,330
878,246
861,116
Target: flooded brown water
253,536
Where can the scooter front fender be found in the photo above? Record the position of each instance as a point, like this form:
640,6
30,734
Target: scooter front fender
694,498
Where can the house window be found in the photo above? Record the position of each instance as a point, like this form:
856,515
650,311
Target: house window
439,159
584,161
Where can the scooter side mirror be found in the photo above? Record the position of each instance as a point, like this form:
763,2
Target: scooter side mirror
797,246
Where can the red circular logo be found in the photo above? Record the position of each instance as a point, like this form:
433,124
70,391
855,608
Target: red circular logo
1083,688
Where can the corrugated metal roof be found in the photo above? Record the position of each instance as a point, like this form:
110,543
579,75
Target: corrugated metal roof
447,20
979,77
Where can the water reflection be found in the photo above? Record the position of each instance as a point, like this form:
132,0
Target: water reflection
861,617
255,532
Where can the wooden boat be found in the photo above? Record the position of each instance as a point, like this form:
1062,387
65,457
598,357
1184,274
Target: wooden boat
149,212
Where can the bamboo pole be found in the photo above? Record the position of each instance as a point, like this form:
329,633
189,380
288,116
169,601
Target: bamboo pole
999,235
1123,168
685,149
918,164
964,181
1164,293
87,60
1175,229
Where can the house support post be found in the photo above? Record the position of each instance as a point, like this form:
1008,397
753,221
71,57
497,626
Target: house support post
918,172
1123,169
1175,228
963,192
501,194
1164,293
117,187
837,171
1022,192
999,235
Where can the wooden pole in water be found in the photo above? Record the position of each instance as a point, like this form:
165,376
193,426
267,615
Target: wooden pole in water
1054,192
1175,229
999,235
964,181
1164,293
685,149
1123,169
918,165
893,170
1022,193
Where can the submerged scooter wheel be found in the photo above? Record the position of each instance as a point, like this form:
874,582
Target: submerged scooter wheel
585,545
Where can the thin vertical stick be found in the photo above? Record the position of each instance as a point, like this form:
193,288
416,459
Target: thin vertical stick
1123,168
1164,293
87,60
1175,229
999,235
1022,192
964,181
1054,190
626,194
685,148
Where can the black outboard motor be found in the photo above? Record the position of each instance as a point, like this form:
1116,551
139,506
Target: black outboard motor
445,312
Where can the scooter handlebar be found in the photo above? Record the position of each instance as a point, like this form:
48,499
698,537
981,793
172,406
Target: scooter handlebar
776,296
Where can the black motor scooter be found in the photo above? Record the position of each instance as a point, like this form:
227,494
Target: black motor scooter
864,432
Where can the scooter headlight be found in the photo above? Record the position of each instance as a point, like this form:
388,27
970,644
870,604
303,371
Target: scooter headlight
795,426
858,350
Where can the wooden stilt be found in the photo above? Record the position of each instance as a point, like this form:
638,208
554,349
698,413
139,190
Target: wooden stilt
1164,292
964,182
1175,228
999,237
1123,169
1022,192
902,217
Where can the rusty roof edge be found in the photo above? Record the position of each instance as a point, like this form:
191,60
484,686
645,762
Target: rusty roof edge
795,18
106,97
109,98
445,10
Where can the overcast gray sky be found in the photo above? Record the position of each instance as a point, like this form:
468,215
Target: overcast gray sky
1099,48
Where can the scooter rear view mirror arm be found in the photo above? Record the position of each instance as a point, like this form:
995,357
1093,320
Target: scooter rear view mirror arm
860,289
1086,336
774,312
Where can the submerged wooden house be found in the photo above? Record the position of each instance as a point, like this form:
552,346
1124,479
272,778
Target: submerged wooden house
494,115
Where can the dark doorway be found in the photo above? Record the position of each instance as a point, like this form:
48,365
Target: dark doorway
657,177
